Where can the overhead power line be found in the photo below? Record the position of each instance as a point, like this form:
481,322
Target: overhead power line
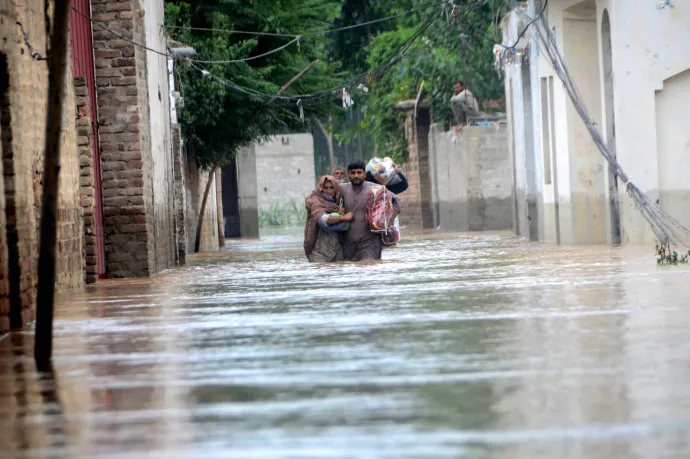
309,34
326,95
251,58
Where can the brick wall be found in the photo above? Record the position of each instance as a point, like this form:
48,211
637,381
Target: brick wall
86,179
5,141
70,223
417,206
139,233
23,137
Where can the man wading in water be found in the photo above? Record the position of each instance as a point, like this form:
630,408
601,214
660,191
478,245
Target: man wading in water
359,243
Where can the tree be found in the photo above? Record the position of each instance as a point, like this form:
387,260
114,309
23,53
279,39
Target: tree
233,105
458,45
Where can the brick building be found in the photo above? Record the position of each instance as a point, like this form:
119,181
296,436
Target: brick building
120,192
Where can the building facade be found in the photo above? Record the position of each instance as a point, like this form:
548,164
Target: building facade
632,69
122,194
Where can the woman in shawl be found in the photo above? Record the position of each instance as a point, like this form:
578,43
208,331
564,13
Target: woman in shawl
325,218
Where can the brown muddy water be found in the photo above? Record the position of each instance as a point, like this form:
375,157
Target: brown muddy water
455,346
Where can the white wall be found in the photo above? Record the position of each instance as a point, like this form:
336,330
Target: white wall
648,49
522,150
648,46
673,138
285,171
161,136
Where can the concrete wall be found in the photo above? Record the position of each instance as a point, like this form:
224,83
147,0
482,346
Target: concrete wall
587,214
673,139
471,179
622,67
526,167
285,170
162,177
648,49
195,184
24,95
247,192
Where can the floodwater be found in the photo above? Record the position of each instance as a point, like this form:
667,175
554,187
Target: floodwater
454,346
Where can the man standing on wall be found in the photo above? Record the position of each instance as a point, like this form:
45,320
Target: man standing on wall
359,243
463,104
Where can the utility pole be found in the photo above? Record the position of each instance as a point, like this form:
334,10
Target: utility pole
57,66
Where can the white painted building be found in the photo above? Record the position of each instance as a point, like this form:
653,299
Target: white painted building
630,60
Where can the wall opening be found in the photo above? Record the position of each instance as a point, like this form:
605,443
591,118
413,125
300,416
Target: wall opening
231,204
607,54
13,270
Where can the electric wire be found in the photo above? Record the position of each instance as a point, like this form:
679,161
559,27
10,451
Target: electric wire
309,34
119,35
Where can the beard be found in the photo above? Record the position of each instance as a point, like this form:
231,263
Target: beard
356,181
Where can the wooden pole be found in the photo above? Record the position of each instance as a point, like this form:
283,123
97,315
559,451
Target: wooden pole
57,66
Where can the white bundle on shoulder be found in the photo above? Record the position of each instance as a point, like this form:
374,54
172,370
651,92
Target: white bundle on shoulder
383,171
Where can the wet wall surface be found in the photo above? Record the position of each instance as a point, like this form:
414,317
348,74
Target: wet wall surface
476,346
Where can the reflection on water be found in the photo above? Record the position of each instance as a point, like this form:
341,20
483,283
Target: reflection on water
476,346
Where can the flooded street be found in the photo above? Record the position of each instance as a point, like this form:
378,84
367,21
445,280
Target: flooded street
472,346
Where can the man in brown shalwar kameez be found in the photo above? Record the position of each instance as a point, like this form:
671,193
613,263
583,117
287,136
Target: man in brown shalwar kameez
359,243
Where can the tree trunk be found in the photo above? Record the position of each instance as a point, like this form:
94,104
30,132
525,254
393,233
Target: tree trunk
219,207
202,208
57,66
329,138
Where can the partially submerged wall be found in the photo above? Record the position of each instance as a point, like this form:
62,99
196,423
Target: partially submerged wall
23,102
195,181
285,171
471,179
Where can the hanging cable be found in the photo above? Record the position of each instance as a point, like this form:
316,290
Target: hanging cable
33,53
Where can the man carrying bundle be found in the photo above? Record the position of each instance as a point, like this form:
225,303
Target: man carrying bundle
360,243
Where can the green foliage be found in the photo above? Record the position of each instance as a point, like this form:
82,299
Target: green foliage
218,120
448,51
291,213
667,256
